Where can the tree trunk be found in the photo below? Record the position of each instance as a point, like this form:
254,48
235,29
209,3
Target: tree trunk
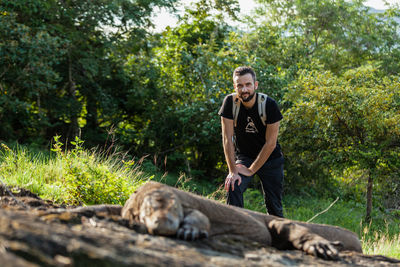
73,130
369,198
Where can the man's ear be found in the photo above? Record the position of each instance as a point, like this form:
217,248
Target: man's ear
256,85
235,88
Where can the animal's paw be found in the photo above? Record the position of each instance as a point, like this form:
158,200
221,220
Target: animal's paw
322,248
191,233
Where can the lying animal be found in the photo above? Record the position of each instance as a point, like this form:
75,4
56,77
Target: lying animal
169,211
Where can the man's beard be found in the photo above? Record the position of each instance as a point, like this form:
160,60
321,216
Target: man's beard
250,97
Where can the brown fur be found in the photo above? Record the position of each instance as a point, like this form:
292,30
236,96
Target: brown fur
168,211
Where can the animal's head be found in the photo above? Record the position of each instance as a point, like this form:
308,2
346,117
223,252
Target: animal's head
161,212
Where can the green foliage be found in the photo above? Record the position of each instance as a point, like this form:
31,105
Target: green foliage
338,34
27,59
73,177
93,67
337,124
61,65
254,200
179,120
90,181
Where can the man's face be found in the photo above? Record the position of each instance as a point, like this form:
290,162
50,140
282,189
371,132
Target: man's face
245,87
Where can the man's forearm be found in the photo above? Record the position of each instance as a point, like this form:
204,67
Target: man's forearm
271,137
262,157
229,154
229,150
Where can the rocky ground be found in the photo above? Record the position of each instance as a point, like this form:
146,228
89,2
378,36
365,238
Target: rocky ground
35,232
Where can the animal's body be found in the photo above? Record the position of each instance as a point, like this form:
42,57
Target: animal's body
169,211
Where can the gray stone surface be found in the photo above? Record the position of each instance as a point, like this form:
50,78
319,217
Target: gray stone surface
34,232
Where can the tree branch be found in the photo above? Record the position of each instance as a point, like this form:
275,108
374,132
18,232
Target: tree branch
325,210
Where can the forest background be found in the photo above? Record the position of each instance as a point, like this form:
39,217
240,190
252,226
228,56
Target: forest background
96,70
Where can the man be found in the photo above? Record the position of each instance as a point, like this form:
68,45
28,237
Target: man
254,146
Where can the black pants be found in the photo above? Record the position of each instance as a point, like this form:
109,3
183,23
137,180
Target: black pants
271,176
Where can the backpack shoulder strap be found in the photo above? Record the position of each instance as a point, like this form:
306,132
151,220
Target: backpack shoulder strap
235,108
262,102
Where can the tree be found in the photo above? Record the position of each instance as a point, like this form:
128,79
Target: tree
346,121
339,34
189,78
74,49
28,57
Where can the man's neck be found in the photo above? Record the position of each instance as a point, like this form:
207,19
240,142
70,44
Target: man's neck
251,103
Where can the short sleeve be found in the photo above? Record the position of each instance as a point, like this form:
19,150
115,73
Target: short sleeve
226,108
273,112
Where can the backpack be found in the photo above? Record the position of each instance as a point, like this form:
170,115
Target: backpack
262,101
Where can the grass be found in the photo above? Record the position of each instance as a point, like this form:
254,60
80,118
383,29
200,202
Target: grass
72,177
86,177
382,244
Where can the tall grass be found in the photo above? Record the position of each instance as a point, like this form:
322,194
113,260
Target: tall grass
75,176
381,243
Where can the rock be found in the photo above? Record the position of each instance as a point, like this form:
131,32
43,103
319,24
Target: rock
34,232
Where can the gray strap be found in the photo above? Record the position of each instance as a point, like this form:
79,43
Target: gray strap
262,102
235,108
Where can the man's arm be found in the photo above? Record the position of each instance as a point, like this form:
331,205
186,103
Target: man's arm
271,137
229,151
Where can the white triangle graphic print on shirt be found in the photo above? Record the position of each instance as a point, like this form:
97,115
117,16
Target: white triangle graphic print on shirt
251,127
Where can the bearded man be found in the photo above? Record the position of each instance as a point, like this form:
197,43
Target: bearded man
251,145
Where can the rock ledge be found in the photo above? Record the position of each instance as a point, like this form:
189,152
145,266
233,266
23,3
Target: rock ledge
35,232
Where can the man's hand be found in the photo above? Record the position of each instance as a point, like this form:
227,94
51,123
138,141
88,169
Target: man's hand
244,170
231,179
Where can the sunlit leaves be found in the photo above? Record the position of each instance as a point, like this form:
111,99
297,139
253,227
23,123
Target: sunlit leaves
342,122
339,34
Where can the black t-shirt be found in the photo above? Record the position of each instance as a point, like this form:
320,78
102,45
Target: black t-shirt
250,131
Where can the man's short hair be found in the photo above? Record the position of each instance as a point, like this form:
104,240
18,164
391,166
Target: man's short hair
243,70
